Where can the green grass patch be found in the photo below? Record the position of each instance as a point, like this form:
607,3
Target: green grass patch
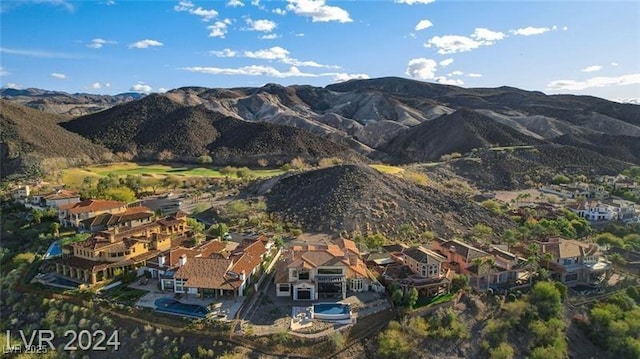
74,176
438,299
387,169
124,294
511,148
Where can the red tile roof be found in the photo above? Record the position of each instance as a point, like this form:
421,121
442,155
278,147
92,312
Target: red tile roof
92,205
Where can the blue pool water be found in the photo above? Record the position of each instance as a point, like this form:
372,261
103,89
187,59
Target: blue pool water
173,306
54,250
331,308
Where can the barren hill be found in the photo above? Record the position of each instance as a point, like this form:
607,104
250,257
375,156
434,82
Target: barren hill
351,197
33,140
459,132
157,123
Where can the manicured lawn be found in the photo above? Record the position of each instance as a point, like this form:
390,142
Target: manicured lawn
422,302
74,176
387,169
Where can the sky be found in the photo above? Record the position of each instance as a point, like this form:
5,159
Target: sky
115,46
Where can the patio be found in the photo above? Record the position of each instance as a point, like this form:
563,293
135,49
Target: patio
221,309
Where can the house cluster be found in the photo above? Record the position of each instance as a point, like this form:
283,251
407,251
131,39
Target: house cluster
313,272
125,239
47,199
573,262
577,190
606,210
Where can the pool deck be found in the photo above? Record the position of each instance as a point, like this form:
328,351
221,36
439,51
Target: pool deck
223,309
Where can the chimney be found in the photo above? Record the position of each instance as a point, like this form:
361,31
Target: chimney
243,276
161,259
182,260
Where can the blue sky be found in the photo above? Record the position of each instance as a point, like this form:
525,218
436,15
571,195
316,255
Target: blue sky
113,46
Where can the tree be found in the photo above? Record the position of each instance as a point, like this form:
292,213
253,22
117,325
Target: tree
106,183
228,171
509,237
123,194
278,242
134,182
502,351
205,160
411,298
482,233
493,206
393,343
218,230
55,229
195,225
397,296
37,216
547,299
407,231
459,282
375,240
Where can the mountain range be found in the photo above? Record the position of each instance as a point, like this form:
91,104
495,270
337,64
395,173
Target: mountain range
392,120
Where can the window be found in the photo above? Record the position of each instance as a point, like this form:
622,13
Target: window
303,275
179,285
330,271
357,284
283,287
423,272
571,277
433,270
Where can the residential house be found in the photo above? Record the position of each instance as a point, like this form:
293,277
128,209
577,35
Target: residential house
312,272
594,211
109,253
71,215
573,262
56,199
495,268
219,275
419,268
131,217
21,193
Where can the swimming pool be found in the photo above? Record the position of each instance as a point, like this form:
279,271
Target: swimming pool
54,250
169,305
331,311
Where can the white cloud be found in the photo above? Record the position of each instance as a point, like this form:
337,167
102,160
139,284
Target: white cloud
318,11
456,73
110,2
423,24
446,62
474,75
188,6
411,2
451,44
263,25
274,53
631,79
554,27
224,53
99,43
96,85
300,34
280,54
59,76
614,64
486,36
565,28
36,53
279,11
235,3
162,90
141,87
447,81
219,28
12,85
256,3
144,44
253,70
421,68
593,68
342,77
4,72
529,31
269,37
